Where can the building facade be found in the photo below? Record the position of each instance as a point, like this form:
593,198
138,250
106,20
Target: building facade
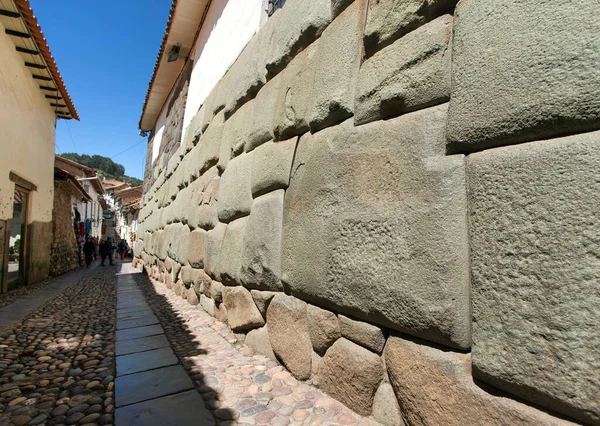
33,96
413,185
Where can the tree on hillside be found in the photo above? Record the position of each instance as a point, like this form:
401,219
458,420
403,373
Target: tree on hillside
104,165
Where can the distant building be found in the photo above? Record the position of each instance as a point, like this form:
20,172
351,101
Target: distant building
32,97
88,213
126,213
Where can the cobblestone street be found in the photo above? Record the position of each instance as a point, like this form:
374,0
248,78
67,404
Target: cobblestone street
58,365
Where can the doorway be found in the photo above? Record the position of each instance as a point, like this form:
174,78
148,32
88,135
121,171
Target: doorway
17,244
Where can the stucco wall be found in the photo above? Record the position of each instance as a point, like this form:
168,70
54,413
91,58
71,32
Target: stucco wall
413,186
27,134
227,28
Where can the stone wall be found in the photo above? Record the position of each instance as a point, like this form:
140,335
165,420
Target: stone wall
398,200
64,245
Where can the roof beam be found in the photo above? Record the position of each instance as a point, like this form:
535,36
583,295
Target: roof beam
32,65
53,97
25,50
41,77
10,13
51,89
17,33
58,105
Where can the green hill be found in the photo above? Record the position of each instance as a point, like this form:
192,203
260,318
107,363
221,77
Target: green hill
104,165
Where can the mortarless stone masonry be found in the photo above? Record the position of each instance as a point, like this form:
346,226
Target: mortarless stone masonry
327,201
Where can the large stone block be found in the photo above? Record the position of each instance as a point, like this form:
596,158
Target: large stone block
235,194
324,328
375,226
259,341
248,73
522,73
435,387
242,313
362,333
201,208
293,28
351,374
230,257
271,166
261,255
212,254
385,406
237,129
388,20
337,62
295,96
260,126
535,239
262,299
412,73
289,335
196,248
206,153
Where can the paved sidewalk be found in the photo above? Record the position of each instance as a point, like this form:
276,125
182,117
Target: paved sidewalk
238,386
152,387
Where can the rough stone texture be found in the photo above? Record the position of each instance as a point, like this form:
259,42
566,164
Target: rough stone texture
212,254
216,291
177,237
289,335
207,304
196,248
293,28
351,374
324,328
295,96
237,129
388,20
248,73
235,195
395,191
271,166
64,244
258,340
315,365
201,207
262,299
385,406
230,258
338,6
192,297
535,239
187,275
365,334
435,387
261,125
337,62
206,153
242,313
513,81
261,254
412,73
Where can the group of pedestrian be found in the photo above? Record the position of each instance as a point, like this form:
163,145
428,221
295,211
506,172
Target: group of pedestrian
105,248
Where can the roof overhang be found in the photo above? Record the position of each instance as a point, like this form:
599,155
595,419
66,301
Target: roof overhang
22,27
72,185
185,20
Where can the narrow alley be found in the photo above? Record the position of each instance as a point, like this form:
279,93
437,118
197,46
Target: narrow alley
107,345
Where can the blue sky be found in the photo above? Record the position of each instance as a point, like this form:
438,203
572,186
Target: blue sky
105,52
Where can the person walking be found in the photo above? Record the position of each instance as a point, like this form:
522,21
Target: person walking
109,250
122,247
103,251
88,251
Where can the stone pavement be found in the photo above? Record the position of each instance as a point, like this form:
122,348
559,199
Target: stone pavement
238,386
107,346
151,385
25,305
